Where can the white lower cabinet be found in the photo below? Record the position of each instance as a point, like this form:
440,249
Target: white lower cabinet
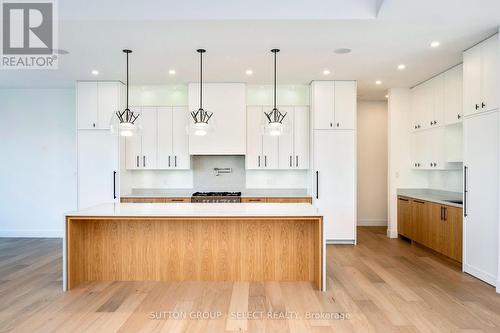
481,197
163,142
290,150
334,183
98,167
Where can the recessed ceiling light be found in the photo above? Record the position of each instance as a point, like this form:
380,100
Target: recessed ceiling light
435,43
378,82
249,72
95,72
342,50
171,71
401,66
326,72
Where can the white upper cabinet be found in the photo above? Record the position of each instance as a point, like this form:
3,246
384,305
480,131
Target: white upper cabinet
323,104
180,138
438,101
86,99
334,104
453,95
97,102
345,105
301,137
290,150
262,149
480,75
285,141
163,141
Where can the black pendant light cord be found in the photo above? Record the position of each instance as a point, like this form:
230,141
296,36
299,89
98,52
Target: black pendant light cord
201,51
126,51
275,79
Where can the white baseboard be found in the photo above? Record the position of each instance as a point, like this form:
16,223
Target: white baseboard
480,274
392,233
340,242
31,233
372,223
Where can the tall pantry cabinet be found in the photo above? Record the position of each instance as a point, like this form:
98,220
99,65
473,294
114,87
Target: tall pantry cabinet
98,179
481,160
334,179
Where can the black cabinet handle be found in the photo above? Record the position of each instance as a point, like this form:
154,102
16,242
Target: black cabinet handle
459,116
338,124
265,161
137,160
418,201
175,161
169,161
483,105
477,106
290,161
317,184
331,124
403,199
445,213
114,184
144,160
258,159
296,160
466,169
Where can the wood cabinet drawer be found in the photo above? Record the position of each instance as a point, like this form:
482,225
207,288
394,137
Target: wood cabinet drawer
436,226
247,200
154,200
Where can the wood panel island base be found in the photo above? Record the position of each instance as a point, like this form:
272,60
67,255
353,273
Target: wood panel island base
194,242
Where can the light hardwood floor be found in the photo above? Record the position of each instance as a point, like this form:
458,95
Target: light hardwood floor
381,285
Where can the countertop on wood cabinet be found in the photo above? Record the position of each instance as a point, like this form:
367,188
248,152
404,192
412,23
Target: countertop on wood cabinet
436,196
199,210
181,193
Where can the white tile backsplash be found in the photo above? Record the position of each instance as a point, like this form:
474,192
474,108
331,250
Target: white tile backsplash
204,178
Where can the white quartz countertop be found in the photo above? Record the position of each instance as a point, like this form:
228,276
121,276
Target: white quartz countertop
166,193
437,196
200,210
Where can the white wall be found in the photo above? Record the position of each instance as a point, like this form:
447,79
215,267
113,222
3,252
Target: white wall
372,163
38,168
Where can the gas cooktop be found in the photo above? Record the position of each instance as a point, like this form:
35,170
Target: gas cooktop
217,194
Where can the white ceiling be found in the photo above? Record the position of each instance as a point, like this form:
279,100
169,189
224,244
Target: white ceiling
401,33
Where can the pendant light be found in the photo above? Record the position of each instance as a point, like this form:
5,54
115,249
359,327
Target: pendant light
126,119
201,127
275,125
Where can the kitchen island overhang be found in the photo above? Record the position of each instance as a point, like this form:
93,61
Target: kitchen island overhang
194,242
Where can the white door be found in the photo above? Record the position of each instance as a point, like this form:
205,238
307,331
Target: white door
345,105
253,158
285,140
301,137
481,199
149,135
335,183
489,74
86,96
180,148
453,95
472,80
98,178
427,107
133,148
323,104
108,102
165,138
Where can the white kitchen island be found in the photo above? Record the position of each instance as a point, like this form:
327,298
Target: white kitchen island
194,241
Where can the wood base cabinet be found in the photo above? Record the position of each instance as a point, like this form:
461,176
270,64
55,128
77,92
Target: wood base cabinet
438,227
